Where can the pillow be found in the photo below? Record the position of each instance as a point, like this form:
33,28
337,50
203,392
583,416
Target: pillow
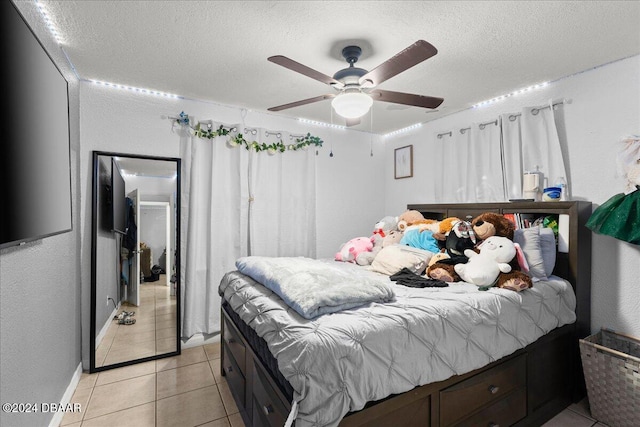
392,259
549,249
539,247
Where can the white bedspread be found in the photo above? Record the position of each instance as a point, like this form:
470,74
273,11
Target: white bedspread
338,362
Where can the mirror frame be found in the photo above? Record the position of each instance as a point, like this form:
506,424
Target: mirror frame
94,234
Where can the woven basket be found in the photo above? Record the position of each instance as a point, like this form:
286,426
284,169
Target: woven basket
611,363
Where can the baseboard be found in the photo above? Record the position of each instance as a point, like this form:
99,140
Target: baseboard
200,339
105,327
66,397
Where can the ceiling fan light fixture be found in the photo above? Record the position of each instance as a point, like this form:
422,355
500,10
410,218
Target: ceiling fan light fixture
352,105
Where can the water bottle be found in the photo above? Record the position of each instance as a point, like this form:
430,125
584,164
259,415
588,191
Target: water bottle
562,184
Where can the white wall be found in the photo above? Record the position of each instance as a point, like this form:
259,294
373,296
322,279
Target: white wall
605,108
350,184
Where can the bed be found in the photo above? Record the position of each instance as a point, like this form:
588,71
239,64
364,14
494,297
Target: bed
429,357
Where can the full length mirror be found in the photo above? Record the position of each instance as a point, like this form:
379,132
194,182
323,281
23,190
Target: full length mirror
135,313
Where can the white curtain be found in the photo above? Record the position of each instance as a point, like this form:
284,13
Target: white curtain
283,207
454,163
533,138
485,162
211,225
471,165
484,178
512,155
238,202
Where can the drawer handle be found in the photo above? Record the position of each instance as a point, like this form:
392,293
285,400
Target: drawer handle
268,409
492,424
493,389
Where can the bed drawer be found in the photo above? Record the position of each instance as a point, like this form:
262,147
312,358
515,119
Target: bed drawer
504,412
479,391
268,410
234,343
235,377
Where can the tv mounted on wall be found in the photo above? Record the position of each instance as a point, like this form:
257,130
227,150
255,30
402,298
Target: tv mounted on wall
35,173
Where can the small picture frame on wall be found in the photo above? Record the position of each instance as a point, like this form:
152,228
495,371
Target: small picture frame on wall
403,167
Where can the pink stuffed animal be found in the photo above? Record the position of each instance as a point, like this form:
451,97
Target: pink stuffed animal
353,247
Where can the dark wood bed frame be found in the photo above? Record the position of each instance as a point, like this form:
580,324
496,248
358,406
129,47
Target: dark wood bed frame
526,388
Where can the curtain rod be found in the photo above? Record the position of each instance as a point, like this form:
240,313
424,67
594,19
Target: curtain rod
481,126
536,110
512,117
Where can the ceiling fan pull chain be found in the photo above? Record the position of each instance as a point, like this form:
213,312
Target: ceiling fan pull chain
371,132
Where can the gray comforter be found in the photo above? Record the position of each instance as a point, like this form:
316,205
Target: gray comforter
338,362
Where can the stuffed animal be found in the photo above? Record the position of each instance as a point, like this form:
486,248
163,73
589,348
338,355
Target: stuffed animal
353,247
483,268
392,238
407,218
458,239
490,224
420,239
386,225
367,257
423,225
444,227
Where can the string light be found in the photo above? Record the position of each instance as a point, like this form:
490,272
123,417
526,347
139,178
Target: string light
135,89
514,93
329,125
403,130
49,23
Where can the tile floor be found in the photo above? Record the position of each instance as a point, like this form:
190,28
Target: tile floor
188,391
185,390
154,331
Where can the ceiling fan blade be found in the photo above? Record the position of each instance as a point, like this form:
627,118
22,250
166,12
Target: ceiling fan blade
413,55
303,69
302,102
406,98
352,122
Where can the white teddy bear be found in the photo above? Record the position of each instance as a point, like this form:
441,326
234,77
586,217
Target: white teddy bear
483,268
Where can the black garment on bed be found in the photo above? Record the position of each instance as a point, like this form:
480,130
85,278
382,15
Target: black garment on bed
406,277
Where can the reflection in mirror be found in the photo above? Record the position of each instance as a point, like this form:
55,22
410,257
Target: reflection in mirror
135,259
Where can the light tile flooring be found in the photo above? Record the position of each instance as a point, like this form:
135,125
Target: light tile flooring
154,331
185,390
576,415
188,391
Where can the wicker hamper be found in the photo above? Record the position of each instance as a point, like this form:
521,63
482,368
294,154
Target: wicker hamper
611,363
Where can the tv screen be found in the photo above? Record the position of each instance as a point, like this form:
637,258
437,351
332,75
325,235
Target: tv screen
35,174
118,200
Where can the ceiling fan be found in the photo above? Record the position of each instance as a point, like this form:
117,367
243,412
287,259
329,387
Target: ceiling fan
356,87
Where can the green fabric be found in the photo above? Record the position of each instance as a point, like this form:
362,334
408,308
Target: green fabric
618,217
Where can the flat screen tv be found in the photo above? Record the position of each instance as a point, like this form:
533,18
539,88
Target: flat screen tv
118,200
35,173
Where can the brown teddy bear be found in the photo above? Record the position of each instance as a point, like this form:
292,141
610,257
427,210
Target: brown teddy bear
408,217
493,224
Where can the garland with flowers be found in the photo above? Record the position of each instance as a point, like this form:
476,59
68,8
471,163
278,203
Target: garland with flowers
301,143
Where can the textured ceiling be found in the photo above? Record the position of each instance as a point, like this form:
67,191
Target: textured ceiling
217,50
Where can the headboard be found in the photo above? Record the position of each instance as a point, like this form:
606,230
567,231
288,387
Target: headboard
573,260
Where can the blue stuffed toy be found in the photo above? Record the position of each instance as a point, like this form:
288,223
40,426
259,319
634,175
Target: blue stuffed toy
420,239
